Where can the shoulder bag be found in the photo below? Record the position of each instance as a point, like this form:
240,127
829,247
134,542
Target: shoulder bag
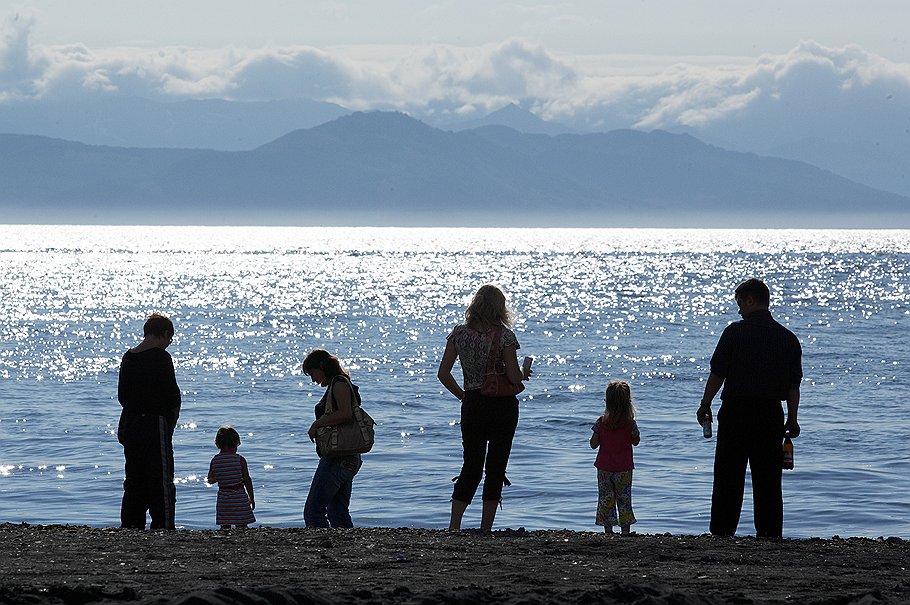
495,382
354,437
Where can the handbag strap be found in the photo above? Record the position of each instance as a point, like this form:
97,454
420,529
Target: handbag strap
330,396
495,350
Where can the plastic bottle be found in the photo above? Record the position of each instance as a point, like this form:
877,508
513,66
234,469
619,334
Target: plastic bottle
706,425
787,460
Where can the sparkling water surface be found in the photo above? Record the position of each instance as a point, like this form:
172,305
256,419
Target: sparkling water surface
591,305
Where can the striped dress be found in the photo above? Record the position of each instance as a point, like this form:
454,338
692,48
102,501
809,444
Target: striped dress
233,506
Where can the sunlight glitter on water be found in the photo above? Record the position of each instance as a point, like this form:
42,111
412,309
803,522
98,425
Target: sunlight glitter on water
643,305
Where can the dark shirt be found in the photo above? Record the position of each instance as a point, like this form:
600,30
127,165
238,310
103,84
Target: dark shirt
148,384
758,359
320,407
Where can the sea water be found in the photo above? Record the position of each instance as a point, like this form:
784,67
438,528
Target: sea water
590,305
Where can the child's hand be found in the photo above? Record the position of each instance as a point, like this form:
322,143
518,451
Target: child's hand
252,504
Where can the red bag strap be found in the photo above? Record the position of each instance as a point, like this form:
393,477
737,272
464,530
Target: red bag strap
495,349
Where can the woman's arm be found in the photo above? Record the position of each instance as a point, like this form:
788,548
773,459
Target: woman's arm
248,482
341,395
510,357
444,374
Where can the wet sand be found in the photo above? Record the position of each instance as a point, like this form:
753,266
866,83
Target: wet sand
44,564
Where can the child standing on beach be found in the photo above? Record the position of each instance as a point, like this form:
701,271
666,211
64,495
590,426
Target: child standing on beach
615,433
235,488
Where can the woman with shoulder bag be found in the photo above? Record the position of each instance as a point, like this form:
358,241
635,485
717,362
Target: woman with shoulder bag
486,349
330,492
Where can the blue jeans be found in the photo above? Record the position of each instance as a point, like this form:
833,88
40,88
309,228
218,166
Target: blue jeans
330,493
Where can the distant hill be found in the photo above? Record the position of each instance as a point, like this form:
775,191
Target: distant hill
514,117
386,168
136,122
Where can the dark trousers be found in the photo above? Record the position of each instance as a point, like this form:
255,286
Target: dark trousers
149,484
748,432
487,427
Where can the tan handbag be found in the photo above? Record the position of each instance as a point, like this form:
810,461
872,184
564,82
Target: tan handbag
354,437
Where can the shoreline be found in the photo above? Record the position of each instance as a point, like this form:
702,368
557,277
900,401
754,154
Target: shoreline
79,564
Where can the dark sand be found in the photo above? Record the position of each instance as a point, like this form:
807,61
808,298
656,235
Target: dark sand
83,565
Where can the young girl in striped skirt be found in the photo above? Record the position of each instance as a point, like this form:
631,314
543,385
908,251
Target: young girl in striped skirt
235,488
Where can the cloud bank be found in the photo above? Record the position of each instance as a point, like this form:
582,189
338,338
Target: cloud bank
811,92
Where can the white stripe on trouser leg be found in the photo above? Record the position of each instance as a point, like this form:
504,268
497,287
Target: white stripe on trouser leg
165,492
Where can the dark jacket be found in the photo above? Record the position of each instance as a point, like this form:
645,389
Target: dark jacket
148,384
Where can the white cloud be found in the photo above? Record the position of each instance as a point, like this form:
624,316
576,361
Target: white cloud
446,80
18,67
810,90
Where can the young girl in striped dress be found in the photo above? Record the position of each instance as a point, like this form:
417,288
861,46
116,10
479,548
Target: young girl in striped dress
235,488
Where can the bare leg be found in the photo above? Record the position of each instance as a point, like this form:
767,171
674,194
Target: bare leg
625,530
489,513
608,529
458,508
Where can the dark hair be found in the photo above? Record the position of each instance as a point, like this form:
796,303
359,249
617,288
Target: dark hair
324,361
756,289
227,438
158,325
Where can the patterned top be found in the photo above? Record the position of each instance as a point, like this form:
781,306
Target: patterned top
474,351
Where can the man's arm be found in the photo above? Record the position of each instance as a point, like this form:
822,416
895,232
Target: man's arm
711,388
792,426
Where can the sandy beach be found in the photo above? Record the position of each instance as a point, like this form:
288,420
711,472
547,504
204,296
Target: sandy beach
71,564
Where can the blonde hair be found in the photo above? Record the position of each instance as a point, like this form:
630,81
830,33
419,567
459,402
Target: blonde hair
488,309
619,410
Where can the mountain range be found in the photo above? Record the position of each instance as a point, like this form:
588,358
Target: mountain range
388,168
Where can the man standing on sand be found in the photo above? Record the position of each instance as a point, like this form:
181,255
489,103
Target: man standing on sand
758,363
148,391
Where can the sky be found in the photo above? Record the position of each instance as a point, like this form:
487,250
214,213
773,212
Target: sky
585,27
713,66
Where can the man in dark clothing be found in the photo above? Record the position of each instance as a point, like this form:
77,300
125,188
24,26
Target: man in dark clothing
150,397
758,363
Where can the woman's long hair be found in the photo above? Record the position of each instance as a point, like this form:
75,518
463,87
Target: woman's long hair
619,410
326,362
488,309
